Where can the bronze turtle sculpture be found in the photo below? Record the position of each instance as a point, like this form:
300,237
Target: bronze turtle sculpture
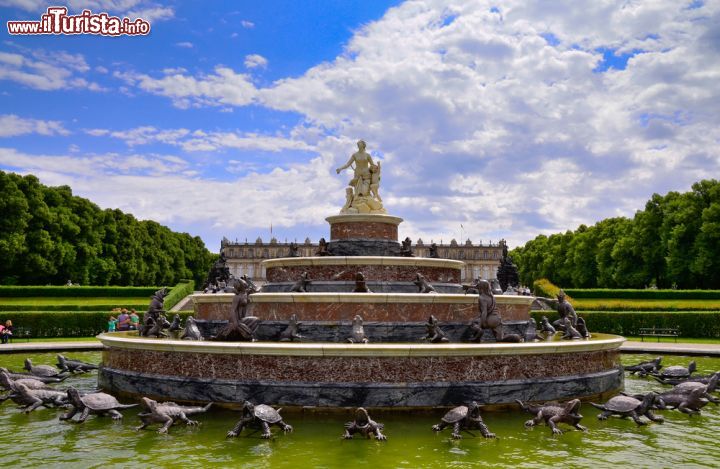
358,331
168,413
696,381
646,367
677,371
553,413
364,425
675,395
74,366
97,403
262,416
464,418
626,406
704,379
44,371
689,386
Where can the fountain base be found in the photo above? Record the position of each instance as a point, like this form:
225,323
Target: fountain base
369,375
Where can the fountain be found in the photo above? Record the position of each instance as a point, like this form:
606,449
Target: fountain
363,277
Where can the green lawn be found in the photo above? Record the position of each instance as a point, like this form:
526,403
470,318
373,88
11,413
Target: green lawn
604,304
58,339
680,340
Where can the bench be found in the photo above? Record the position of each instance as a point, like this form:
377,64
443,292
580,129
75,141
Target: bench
659,332
21,333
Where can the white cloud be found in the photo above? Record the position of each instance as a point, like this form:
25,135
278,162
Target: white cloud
93,167
255,61
223,87
152,13
186,45
12,125
44,70
199,140
177,197
247,24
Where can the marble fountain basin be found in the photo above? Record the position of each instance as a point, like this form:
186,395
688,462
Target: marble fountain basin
375,375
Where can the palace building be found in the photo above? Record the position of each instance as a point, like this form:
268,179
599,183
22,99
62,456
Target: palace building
244,258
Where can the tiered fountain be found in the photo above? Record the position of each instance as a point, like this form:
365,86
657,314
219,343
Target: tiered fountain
395,368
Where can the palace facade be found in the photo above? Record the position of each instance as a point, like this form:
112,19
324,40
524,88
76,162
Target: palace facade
243,258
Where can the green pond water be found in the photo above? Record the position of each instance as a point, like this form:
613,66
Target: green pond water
41,440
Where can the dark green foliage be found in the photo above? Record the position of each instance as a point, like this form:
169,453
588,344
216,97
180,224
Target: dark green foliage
673,242
63,323
691,323
57,291
49,236
644,294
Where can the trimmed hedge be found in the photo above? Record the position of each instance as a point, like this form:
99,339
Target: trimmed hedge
62,323
645,294
140,307
179,291
20,291
598,304
691,323
544,287
81,320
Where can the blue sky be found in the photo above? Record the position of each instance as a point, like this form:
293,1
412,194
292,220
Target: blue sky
511,118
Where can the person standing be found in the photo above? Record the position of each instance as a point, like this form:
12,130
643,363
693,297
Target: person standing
123,323
134,320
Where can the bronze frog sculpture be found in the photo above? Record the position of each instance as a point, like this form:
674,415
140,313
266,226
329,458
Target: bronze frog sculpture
434,335
358,332
364,425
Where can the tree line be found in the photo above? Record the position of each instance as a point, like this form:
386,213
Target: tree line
49,236
673,242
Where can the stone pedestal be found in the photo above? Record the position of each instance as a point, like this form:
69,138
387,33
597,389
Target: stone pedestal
364,235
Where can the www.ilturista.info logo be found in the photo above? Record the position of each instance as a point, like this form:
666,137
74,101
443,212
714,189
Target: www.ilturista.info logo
57,21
